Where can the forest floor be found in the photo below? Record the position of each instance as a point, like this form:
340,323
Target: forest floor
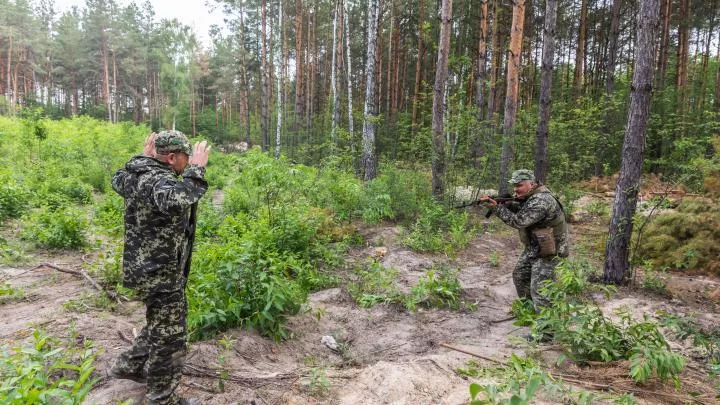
386,353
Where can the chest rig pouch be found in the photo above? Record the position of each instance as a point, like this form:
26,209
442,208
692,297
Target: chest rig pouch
546,241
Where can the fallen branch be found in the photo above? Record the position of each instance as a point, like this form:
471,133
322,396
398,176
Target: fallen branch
473,354
503,320
81,273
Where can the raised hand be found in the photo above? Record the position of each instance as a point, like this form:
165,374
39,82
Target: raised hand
149,148
201,151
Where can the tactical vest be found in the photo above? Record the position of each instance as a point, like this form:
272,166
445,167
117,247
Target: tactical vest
557,224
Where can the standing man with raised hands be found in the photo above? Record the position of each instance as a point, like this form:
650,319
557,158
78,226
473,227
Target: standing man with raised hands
159,188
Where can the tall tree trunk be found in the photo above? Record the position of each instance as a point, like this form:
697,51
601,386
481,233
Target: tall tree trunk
299,63
628,185
348,58
497,44
612,48
682,58
511,95
280,84
700,103
106,76
480,76
369,126
580,53
438,158
244,102
541,140
664,44
265,85
8,91
716,99
418,64
333,81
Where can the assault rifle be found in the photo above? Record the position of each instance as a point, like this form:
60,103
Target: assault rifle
503,199
190,235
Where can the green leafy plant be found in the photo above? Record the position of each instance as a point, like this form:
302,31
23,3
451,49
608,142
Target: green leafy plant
13,200
60,229
47,372
439,287
375,284
587,335
10,294
494,258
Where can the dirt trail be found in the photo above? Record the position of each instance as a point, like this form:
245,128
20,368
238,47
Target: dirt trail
387,354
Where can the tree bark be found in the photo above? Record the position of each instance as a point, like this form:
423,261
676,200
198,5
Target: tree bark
346,22
438,158
418,65
333,81
664,44
717,82
612,47
682,57
541,140
280,73
511,95
628,185
700,102
580,53
265,85
369,124
497,43
480,77
299,63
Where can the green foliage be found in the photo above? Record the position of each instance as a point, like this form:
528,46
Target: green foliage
523,311
13,200
9,294
654,280
707,340
60,229
686,239
439,229
438,288
520,381
375,284
587,335
46,372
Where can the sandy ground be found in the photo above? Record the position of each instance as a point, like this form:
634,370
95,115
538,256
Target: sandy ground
387,355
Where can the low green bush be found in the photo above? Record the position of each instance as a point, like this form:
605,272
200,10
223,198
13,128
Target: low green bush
13,200
439,229
438,288
688,239
46,371
588,335
59,229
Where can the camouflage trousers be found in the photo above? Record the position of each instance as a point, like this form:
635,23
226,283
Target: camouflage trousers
159,350
529,274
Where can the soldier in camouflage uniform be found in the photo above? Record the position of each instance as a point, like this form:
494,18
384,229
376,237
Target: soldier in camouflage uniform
538,214
159,188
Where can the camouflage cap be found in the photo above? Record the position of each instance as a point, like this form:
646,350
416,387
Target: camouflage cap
172,142
521,175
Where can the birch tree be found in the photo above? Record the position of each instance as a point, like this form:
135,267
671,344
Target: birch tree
280,70
333,80
438,158
348,62
369,124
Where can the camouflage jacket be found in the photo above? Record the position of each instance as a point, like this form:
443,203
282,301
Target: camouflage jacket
540,209
157,210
